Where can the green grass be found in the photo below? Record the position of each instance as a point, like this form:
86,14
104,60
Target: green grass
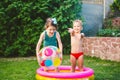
25,68
104,70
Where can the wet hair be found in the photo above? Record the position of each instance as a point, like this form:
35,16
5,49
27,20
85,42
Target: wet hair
50,22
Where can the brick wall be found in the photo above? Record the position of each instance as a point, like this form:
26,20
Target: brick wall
107,48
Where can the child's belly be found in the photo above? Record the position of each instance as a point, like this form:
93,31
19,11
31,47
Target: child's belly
76,49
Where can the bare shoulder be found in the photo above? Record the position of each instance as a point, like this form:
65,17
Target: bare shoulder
57,33
42,34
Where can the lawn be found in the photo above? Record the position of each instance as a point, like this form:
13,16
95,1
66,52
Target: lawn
25,68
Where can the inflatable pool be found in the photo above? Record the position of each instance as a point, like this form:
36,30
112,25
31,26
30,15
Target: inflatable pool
65,74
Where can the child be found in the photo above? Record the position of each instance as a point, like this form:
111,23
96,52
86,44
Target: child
50,37
76,45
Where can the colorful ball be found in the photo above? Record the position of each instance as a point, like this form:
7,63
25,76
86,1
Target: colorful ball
48,63
50,56
48,51
42,63
56,61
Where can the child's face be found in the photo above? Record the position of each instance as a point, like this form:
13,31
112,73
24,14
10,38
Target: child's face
51,30
77,27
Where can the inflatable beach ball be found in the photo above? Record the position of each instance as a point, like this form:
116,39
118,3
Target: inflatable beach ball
50,56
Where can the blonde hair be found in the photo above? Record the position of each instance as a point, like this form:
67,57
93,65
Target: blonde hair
49,22
79,21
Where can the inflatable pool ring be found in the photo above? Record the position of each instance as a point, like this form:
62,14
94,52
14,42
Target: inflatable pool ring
65,74
50,56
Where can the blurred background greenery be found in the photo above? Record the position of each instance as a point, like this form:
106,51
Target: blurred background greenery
21,23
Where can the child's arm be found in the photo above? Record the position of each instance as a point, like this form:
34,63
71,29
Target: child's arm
59,42
38,47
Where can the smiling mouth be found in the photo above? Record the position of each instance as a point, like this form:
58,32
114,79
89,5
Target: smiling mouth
76,30
51,33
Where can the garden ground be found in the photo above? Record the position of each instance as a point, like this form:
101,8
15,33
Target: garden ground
24,68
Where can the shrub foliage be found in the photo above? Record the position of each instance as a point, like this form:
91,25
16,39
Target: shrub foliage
22,21
111,26
115,7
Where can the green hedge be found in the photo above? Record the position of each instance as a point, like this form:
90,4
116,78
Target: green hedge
109,33
115,7
110,30
21,23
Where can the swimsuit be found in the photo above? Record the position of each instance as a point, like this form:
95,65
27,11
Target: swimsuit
50,41
77,55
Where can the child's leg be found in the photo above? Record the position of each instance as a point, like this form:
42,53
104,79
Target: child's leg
56,69
45,69
73,63
80,62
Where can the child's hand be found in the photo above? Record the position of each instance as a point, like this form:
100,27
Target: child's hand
82,35
70,30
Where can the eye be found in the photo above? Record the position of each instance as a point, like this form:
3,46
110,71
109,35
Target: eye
74,26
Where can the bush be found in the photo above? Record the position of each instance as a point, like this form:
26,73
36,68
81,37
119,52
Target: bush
21,23
113,18
115,7
111,26
109,33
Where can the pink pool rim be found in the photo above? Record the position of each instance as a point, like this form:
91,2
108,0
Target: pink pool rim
86,73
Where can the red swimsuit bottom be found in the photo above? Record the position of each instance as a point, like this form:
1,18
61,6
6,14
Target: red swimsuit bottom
77,55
